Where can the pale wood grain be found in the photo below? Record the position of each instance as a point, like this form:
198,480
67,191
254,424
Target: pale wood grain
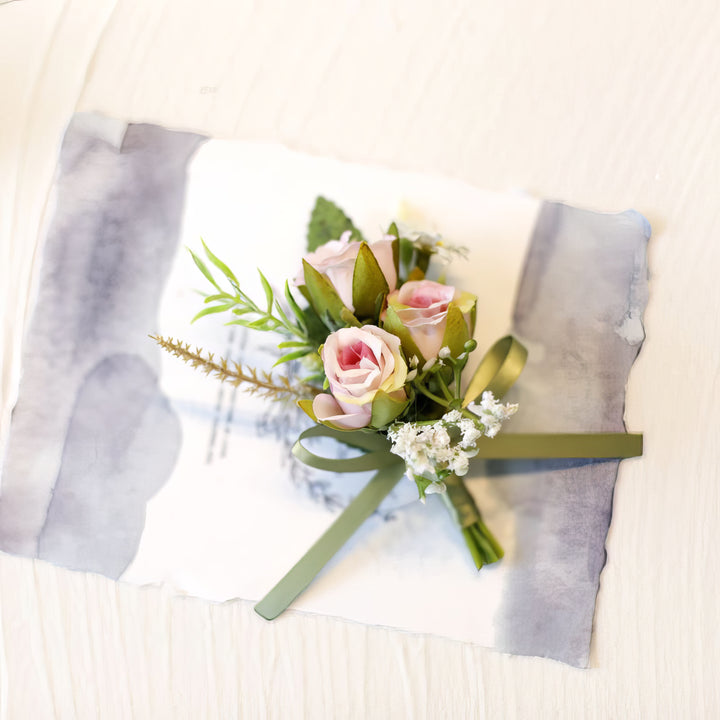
609,105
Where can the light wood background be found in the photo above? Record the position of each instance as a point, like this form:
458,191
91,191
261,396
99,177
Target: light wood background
607,105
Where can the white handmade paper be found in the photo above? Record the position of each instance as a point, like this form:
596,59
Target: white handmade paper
233,526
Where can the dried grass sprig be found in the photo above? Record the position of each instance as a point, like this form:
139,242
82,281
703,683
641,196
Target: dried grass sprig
262,383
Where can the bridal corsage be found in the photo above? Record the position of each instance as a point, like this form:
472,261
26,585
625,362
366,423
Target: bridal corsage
384,344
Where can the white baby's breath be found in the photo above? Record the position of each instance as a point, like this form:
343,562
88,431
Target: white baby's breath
432,451
492,412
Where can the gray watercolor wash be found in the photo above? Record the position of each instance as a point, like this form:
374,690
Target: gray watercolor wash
117,455
87,362
578,310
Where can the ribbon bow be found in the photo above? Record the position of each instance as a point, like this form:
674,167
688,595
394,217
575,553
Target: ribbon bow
498,370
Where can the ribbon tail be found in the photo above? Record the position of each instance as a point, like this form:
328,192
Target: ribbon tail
515,446
354,515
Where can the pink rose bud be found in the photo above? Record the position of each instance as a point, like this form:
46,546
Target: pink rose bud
422,307
358,362
336,259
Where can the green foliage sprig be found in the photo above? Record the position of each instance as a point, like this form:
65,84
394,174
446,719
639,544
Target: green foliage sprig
298,323
262,383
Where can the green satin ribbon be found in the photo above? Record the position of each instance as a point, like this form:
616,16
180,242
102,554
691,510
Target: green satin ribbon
315,559
497,372
377,450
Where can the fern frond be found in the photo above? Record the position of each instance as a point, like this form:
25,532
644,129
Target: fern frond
262,384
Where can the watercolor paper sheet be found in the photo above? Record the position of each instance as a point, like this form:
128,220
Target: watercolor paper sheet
123,461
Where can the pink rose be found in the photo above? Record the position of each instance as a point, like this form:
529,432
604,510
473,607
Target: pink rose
336,259
358,362
422,306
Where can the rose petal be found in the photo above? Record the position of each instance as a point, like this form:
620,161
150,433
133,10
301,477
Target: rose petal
327,409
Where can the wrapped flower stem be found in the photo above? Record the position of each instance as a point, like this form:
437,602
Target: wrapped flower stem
481,543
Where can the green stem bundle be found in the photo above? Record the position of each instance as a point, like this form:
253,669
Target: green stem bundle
482,544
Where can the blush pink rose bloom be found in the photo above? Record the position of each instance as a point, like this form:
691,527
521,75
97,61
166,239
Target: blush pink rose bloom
422,306
358,362
336,259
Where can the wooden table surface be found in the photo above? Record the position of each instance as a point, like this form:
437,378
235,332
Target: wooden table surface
607,105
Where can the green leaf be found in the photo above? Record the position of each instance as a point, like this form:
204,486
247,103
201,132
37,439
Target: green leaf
406,252
269,296
422,485
312,379
323,297
297,310
393,324
293,344
328,222
282,315
317,331
306,405
385,409
348,319
212,310
263,323
368,283
396,252
203,269
216,297
220,265
456,331
422,260
292,356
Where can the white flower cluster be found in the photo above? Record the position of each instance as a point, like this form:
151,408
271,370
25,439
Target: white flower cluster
433,451
492,413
